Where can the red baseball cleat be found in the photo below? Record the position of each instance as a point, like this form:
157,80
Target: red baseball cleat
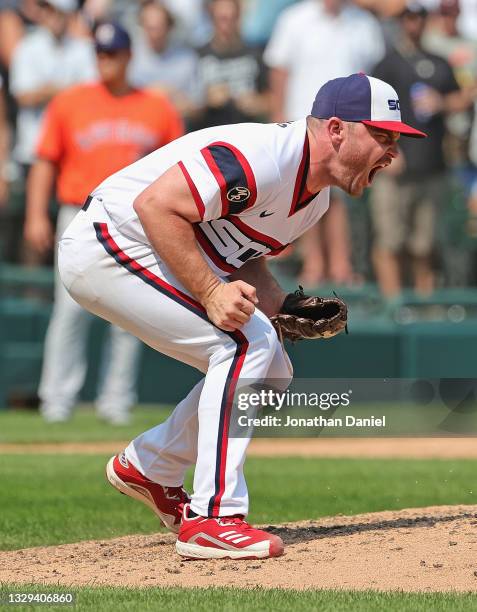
166,502
221,538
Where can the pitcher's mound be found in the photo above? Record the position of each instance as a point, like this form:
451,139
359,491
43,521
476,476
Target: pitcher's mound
421,549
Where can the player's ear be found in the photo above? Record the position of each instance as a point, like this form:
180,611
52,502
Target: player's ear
336,131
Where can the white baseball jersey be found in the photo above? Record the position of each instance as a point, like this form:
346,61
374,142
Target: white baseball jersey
249,185
247,180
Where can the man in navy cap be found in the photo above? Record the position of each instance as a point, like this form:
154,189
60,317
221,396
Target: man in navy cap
90,131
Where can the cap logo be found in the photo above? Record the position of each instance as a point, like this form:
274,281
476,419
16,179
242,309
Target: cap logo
105,34
238,194
394,105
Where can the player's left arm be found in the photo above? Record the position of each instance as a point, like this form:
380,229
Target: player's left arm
269,293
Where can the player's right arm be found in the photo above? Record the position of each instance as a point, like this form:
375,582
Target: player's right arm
167,211
38,229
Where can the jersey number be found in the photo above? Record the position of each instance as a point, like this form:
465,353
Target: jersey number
234,246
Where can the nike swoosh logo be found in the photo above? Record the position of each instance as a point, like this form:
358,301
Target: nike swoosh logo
265,214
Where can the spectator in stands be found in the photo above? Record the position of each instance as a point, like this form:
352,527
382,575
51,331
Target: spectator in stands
192,21
90,131
161,64
121,11
44,62
16,17
4,148
445,40
232,74
404,208
299,56
467,21
300,60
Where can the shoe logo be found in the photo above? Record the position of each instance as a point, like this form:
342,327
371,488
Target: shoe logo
123,461
234,536
265,214
230,544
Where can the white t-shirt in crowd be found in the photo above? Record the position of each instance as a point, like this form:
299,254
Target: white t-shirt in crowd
314,47
39,60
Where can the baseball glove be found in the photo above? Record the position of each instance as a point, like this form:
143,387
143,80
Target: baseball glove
303,317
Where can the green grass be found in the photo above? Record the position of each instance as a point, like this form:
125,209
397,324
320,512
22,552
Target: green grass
231,600
50,499
23,426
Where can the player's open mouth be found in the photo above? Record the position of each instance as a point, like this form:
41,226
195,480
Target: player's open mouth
374,171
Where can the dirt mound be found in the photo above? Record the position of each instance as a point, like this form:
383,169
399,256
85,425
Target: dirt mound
421,549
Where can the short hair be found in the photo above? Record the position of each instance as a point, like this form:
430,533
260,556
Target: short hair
171,22
238,4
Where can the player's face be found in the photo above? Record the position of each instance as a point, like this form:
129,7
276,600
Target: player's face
413,25
365,152
112,65
53,19
225,16
155,25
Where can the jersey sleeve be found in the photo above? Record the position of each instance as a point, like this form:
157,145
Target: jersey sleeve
223,182
50,142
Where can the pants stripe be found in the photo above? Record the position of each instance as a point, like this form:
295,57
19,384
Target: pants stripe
103,235
111,247
224,423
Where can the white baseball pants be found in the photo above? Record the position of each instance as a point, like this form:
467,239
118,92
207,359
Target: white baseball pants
126,282
65,355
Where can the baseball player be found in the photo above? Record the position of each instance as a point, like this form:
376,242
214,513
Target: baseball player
89,132
173,249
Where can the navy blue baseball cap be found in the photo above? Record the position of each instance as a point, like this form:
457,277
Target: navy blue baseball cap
111,36
364,99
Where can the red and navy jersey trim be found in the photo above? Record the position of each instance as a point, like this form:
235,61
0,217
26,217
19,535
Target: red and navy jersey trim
193,189
111,247
104,237
234,175
301,196
257,236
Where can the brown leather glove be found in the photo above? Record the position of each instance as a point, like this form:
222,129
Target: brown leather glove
304,317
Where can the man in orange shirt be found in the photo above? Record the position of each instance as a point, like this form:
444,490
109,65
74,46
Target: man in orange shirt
89,132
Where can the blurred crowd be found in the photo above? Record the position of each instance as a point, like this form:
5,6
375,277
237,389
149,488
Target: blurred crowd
228,61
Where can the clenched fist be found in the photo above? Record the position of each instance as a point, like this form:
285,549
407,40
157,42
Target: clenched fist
230,305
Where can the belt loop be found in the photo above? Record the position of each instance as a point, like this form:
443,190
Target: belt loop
87,203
